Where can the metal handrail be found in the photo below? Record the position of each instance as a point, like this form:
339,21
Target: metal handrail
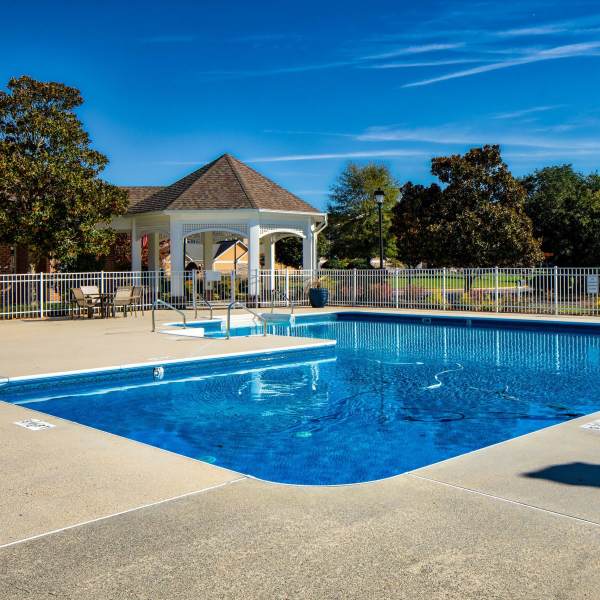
159,301
204,301
241,305
284,296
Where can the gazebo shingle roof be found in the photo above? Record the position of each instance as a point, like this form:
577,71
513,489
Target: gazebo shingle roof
225,183
139,192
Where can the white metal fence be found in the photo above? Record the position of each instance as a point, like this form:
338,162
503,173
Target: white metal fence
566,291
572,291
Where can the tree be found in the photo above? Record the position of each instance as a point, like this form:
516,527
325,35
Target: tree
51,197
353,231
288,251
565,209
477,219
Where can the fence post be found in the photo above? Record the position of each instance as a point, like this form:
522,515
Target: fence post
444,301
41,298
353,287
194,284
496,291
555,290
397,288
102,282
156,286
287,283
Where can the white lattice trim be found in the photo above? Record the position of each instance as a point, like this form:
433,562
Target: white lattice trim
239,228
281,228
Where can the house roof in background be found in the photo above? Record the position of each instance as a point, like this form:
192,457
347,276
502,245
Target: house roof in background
226,244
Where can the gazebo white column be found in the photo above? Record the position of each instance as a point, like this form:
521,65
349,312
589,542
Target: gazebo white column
136,249
269,246
253,258
308,249
177,267
154,251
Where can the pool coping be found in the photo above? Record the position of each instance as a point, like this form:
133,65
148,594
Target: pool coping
433,317
169,361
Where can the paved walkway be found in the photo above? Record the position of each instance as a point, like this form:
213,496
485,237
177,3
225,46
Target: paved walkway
86,514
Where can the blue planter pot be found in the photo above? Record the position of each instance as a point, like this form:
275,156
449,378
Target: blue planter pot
318,297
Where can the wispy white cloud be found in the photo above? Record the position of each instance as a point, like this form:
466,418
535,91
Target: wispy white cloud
526,111
308,132
444,135
353,62
338,155
414,50
551,154
557,52
582,25
527,31
269,37
169,39
304,157
312,192
432,63
449,135
280,70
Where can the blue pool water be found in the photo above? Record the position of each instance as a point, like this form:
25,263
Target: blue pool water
390,397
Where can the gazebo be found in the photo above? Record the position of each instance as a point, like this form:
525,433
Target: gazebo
222,200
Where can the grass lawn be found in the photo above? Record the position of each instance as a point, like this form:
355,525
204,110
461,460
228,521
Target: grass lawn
455,281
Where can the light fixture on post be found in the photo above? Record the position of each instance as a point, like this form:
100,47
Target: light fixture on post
379,197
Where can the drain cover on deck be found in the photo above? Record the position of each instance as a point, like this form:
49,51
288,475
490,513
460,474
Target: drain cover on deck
34,424
593,425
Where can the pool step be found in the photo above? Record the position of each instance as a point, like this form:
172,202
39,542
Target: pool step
196,332
242,320
279,318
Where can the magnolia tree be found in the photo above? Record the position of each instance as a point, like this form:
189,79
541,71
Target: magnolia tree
52,199
476,218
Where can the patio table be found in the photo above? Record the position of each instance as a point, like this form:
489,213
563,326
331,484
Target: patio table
105,302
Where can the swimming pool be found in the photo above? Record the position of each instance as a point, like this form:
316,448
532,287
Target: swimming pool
393,395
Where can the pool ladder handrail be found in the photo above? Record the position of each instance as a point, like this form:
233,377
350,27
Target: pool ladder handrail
159,301
284,297
200,296
236,304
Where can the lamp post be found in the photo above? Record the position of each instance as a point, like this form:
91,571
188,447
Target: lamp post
379,196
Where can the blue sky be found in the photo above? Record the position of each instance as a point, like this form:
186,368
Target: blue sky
299,88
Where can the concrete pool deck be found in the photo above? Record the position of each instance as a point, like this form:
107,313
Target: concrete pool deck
520,519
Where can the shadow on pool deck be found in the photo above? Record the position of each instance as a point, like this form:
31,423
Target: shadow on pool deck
574,473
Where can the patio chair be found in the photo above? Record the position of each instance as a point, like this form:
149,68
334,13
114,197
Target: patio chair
137,299
90,290
122,299
82,302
